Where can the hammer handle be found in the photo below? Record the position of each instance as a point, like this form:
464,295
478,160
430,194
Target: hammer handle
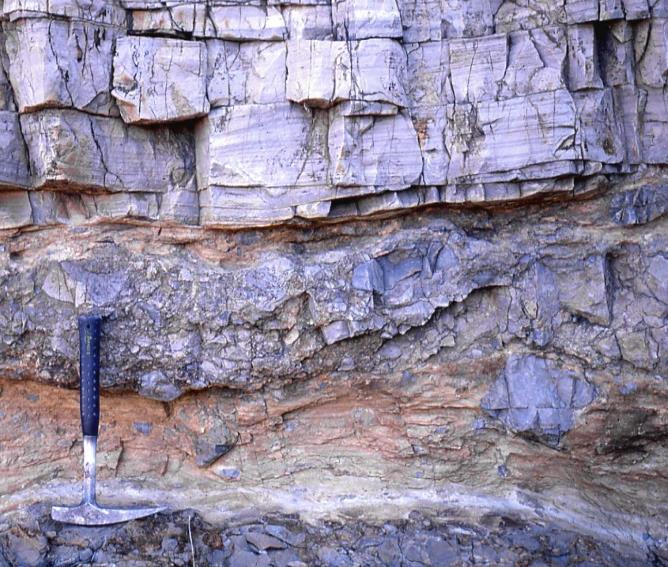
89,372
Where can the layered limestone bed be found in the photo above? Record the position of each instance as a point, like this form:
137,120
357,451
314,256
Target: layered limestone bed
278,540
383,282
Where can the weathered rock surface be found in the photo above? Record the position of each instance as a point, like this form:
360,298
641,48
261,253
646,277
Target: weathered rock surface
371,150
159,80
184,538
355,259
246,73
309,22
241,23
235,21
321,73
285,141
97,11
59,63
71,148
366,19
13,161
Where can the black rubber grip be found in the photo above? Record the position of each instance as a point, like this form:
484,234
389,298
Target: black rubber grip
89,371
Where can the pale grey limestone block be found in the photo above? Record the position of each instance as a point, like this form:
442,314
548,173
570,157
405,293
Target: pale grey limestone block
159,79
627,107
266,198
365,19
601,133
397,200
251,72
307,199
652,64
305,196
68,148
536,62
51,208
504,136
653,108
378,151
552,169
322,73
179,207
636,9
59,63
582,58
95,11
282,203
214,216
430,123
308,22
239,23
14,171
178,19
277,145
528,15
463,18
317,210
378,71
15,210
428,74
581,11
313,75
616,54
477,67
480,192
121,206
456,193
505,191
421,20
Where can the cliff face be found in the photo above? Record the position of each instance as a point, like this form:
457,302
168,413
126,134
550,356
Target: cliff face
355,260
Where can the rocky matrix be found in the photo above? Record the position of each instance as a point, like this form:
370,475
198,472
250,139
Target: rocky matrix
394,271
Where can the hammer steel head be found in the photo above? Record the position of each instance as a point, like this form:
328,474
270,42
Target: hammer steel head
88,514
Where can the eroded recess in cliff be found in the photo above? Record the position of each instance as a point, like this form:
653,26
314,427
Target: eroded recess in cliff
353,259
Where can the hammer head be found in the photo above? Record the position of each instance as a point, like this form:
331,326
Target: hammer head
89,514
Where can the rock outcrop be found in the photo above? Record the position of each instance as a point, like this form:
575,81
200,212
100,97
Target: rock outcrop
184,539
355,259
386,105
